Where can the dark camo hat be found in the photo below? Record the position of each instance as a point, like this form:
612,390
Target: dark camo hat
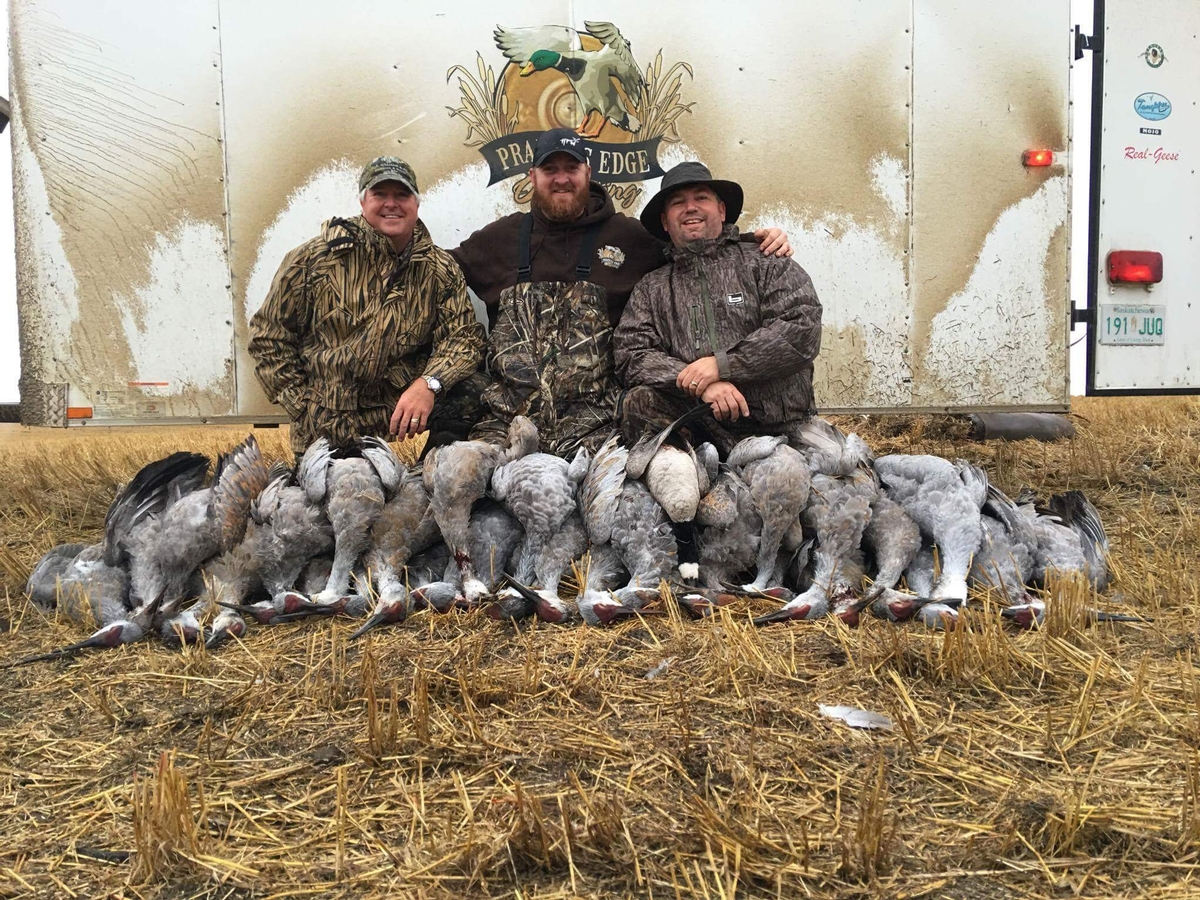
387,168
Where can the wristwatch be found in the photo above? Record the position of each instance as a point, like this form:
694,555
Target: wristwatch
434,382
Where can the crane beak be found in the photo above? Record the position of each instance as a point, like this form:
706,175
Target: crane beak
382,616
781,594
1115,617
108,636
545,611
696,606
782,615
311,610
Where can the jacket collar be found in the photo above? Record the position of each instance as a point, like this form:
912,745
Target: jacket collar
357,232
705,248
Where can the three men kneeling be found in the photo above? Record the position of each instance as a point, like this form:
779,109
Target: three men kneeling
368,329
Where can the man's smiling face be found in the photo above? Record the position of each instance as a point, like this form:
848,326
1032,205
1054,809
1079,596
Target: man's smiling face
693,213
560,187
391,209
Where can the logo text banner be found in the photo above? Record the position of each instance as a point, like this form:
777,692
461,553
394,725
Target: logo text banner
513,155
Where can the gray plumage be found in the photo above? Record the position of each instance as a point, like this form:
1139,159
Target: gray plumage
493,536
920,573
921,576
285,534
42,586
194,528
642,537
1058,547
354,490
458,475
620,512
601,602
729,531
778,482
831,452
1006,558
944,508
94,583
894,539
405,527
1076,512
540,491
297,532
838,512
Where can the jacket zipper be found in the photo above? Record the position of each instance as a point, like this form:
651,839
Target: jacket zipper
709,319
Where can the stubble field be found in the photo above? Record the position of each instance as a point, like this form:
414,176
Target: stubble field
457,756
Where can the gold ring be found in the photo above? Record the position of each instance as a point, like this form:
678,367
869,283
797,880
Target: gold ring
694,383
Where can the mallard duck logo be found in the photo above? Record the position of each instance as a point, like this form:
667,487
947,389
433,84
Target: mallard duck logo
558,77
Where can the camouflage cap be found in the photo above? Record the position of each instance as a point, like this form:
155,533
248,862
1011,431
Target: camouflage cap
387,168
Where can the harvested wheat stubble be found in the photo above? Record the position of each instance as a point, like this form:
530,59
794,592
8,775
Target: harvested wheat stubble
457,756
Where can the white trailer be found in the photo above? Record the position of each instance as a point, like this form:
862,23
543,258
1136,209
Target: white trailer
1144,262
167,155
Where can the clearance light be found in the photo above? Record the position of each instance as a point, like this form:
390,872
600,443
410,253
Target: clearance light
79,412
1135,267
1036,158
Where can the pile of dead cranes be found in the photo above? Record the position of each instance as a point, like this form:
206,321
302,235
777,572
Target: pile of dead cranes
357,533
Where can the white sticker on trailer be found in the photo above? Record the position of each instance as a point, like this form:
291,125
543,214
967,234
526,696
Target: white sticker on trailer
1124,324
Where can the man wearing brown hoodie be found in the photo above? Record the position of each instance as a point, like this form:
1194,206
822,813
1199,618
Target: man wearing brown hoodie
555,282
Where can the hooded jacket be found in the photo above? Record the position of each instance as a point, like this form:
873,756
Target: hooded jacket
624,252
759,316
349,323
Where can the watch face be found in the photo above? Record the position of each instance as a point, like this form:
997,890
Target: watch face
435,384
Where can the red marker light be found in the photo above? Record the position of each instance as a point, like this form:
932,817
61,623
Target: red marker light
1035,158
1135,267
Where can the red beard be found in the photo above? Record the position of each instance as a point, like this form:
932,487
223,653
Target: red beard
558,207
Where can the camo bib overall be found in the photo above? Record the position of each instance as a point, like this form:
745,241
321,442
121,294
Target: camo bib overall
550,356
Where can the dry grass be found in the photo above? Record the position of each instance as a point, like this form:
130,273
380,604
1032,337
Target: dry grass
456,756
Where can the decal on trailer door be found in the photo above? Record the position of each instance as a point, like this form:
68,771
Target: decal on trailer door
1154,56
1151,106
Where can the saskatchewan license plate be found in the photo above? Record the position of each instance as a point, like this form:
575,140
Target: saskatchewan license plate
1128,324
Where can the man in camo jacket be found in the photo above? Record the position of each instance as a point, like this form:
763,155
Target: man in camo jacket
367,328
720,324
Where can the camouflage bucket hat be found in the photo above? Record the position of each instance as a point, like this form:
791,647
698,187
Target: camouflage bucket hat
387,168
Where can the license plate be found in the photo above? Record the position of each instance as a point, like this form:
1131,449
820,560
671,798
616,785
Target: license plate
1132,325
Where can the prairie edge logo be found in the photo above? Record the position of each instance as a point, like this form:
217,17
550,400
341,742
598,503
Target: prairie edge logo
558,77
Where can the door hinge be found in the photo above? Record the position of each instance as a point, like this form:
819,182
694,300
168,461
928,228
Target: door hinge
1082,315
1083,42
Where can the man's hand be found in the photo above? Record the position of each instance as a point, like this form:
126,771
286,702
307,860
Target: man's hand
727,402
697,376
412,410
773,242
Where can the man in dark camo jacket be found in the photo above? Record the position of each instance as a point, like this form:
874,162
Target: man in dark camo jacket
719,324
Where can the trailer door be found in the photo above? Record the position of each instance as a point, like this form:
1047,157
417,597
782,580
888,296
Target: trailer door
1144,248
